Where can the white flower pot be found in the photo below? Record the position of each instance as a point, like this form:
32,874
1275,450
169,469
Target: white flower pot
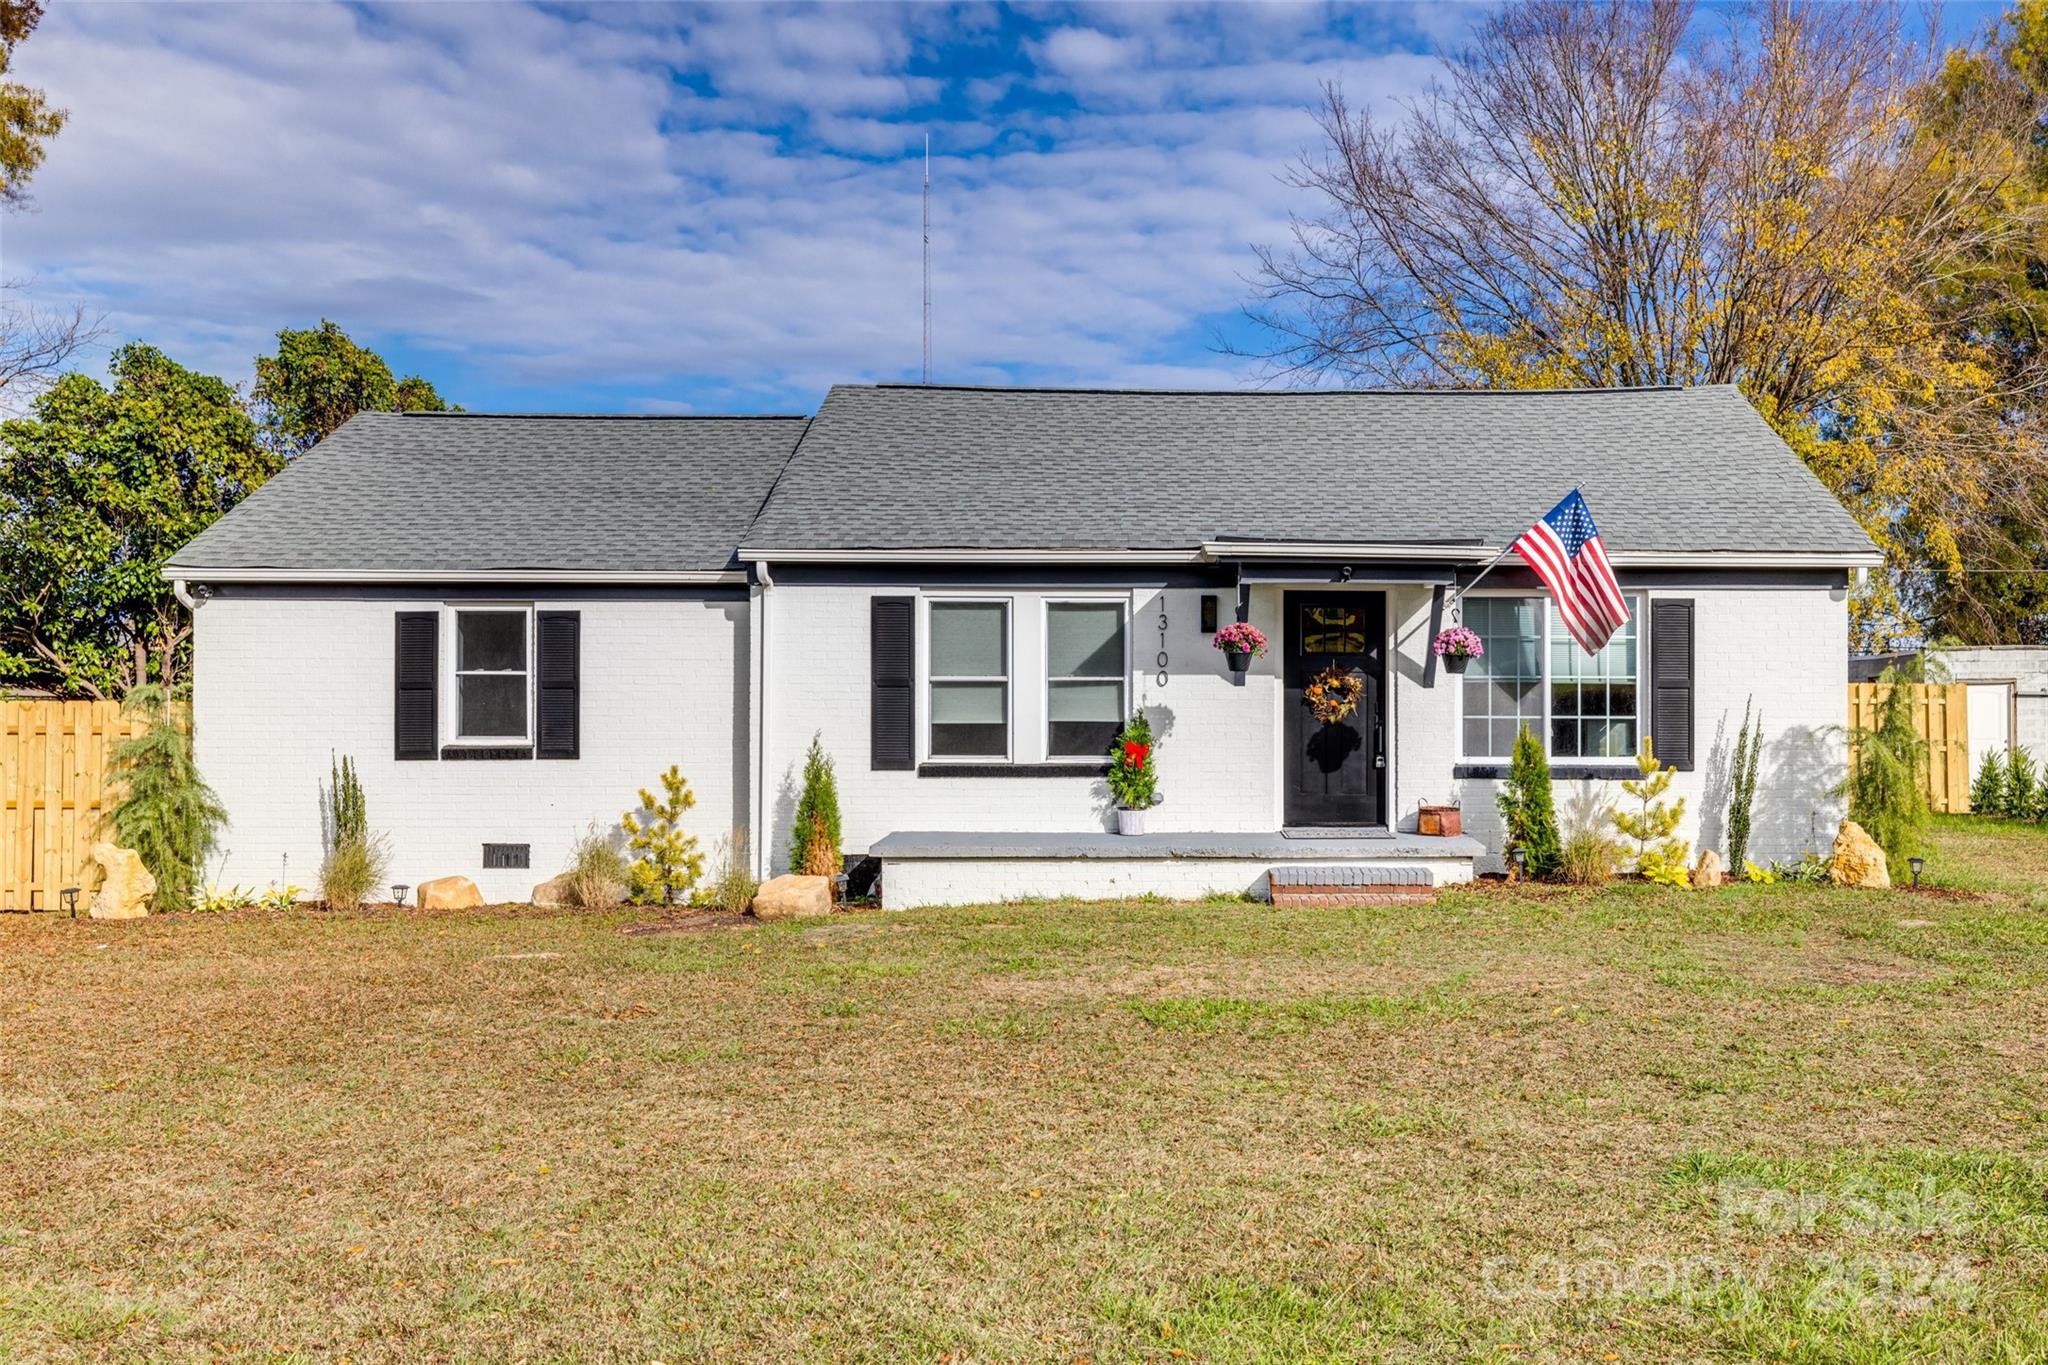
1130,821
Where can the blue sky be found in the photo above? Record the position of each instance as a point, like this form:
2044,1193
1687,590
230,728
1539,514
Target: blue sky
641,208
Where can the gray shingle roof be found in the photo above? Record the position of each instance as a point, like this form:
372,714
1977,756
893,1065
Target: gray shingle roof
928,467
464,492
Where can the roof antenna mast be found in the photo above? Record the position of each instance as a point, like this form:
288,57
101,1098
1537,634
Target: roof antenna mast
927,258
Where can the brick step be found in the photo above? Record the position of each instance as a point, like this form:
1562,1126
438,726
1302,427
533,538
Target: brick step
1328,887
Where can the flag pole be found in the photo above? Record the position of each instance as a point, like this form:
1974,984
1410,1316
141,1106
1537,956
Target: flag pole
1458,600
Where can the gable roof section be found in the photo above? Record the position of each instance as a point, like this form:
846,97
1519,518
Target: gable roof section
433,494
1681,470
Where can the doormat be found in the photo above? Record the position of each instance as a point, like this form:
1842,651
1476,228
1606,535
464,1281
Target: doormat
1337,832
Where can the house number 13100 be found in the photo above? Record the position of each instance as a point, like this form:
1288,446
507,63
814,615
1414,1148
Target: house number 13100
1162,640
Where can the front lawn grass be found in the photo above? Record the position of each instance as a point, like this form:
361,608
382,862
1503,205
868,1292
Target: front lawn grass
1638,1125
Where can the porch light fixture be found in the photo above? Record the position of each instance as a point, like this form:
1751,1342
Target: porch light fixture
70,895
1918,864
398,890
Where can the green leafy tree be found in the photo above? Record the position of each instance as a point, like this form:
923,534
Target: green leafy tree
167,814
26,119
669,863
319,378
814,834
1887,777
1987,793
1749,745
1528,808
1660,854
97,488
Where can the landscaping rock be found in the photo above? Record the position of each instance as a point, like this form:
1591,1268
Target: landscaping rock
1857,860
553,892
448,893
125,884
1710,871
793,897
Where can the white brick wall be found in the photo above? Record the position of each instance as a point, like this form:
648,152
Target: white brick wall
282,682
1220,760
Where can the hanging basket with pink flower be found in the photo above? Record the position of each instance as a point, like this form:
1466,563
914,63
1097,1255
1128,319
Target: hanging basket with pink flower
1458,646
1241,642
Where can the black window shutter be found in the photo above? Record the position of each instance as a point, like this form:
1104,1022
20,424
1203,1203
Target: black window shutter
892,642
558,655
1671,681
416,683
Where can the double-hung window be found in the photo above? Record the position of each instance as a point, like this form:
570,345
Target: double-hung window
1085,672
492,691
969,667
1584,707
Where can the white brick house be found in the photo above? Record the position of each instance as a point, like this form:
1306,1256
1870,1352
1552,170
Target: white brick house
512,623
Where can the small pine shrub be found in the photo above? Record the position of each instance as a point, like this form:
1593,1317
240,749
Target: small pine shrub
1588,853
1887,781
733,886
167,814
1749,744
814,834
352,869
347,814
1987,793
2023,787
669,863
597,875
1528,809
1660,854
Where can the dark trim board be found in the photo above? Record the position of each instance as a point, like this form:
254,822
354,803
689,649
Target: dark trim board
941,577
1090,769
473,753
1559,772
472,592
1661,580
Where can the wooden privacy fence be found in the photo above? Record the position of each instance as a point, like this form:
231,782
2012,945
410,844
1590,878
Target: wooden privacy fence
1941,713
54,757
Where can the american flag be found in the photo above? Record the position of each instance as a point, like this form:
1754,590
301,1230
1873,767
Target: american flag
1565,551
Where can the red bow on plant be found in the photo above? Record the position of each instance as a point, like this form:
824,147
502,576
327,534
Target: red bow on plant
1134,753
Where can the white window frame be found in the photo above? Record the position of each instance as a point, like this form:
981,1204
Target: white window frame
1638,604
451,671
1122,602
1008,678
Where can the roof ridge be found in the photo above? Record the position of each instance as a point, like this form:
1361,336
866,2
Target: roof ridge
1379,392
610,416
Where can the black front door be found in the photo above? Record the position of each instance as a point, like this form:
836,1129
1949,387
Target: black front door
1336,770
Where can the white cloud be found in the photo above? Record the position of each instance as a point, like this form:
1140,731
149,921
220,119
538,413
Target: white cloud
721,210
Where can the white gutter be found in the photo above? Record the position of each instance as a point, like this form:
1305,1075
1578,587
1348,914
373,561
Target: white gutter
178,573
184,595
1278,549
1745,559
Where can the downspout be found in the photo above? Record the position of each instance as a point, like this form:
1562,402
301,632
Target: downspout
764,583
185,597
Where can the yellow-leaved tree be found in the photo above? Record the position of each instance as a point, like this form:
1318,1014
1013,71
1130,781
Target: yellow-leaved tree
1799,199
668,862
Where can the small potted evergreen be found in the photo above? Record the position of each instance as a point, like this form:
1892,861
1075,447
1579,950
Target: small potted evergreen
1241,642
1459,646
1133,781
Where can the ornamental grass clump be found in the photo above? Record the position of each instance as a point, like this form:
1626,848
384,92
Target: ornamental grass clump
1588,853
597,875
352,869
1133,779
167,814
